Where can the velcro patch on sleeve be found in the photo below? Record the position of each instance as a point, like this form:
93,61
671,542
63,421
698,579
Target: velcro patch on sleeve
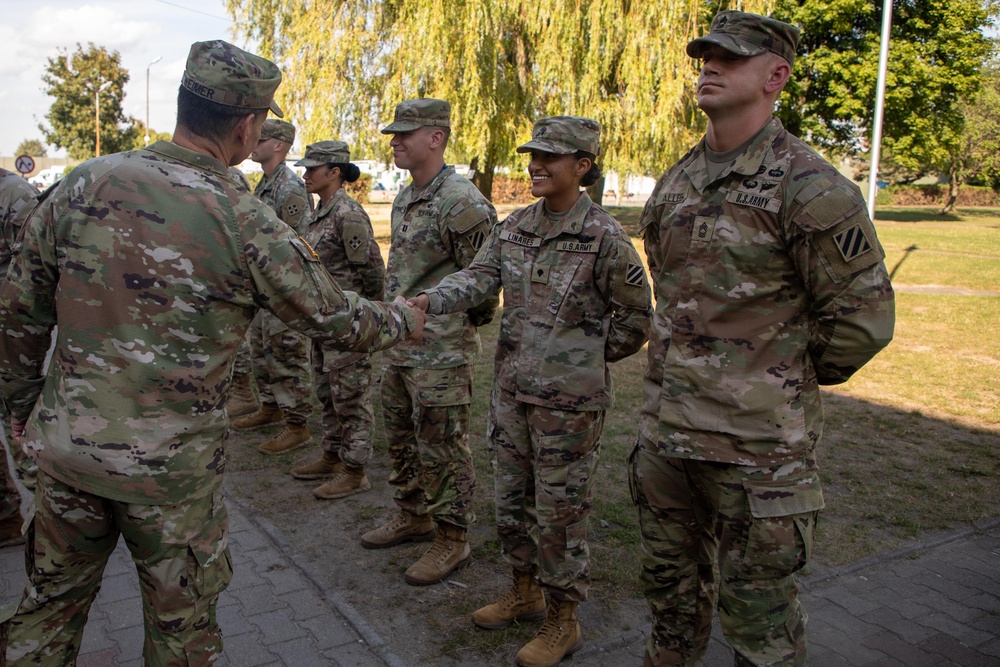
629,284
469,219
356,239
291,212
828,209
849,246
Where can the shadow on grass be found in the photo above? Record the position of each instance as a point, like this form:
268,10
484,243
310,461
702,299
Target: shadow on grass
933,214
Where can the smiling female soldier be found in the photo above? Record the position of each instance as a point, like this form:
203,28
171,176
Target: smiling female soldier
575,298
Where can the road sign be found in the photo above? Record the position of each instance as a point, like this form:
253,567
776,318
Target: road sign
24,164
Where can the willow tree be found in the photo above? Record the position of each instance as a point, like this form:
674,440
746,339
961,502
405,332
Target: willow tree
501,64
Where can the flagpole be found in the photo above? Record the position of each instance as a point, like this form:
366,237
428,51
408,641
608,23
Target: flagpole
883,63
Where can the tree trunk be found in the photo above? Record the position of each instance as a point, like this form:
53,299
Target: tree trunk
483,178
952,191
596,191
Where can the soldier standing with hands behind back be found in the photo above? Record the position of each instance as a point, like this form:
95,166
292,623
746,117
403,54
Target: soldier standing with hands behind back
769,283
439,221
151,264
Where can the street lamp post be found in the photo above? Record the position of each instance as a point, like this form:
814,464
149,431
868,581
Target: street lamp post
158,58
97,114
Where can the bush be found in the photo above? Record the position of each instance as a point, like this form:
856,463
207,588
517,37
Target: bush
935,195
360,188
512,189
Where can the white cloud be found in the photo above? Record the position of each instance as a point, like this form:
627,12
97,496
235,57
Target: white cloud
139,31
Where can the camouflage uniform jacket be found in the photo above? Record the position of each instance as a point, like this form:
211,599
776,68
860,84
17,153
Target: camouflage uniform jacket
769,282
434,235
17,198
155,261
575,298
341,234
286,194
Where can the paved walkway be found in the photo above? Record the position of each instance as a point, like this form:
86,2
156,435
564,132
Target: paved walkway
934,603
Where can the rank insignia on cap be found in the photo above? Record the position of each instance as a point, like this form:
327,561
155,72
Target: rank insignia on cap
852,243
635,276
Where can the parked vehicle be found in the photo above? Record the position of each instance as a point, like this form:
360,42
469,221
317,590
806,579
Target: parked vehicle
46,177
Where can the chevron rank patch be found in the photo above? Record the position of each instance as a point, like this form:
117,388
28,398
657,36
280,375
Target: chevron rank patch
634,275
852,243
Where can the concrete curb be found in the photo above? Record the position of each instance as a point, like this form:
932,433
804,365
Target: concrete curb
820,578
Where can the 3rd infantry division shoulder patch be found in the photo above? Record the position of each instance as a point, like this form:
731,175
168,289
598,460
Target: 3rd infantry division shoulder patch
852,243
634,275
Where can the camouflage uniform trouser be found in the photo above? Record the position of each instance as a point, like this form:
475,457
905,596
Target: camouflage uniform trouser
545,460
10,497
181,554
345,394
754,524
286,378
251,352
426,414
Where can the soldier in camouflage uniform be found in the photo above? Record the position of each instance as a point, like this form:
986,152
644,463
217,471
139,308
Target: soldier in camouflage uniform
769,283
439,221
152,263
575,299
342,236
17,199
280,356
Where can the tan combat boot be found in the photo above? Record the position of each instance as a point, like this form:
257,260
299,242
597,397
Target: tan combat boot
269,413
326,466
346,483
242,400
449,552
404,527
558,637
289,438
524,601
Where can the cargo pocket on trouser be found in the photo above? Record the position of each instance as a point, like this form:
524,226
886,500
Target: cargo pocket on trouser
211,571
782,519
762,616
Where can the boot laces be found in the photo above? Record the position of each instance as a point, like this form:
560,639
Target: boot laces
552,628
440,549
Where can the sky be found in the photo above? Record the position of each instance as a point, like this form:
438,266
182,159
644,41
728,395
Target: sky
140,30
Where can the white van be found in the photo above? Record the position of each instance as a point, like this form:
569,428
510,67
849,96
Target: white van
47,177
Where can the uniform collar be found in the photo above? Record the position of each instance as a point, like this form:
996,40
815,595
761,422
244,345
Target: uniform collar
747,164
325,209
539,224
173,151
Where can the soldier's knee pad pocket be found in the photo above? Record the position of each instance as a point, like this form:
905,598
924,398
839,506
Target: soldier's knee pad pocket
212,567
782,519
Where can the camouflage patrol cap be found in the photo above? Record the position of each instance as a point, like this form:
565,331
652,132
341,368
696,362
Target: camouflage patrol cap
422,112
325,152
564,135
278,129
748,35
228,75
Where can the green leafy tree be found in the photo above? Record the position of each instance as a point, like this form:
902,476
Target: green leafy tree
936,55
501,64
32,147
139,134
977,158
73,79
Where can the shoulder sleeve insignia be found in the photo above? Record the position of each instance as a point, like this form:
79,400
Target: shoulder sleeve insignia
355,237
635,275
